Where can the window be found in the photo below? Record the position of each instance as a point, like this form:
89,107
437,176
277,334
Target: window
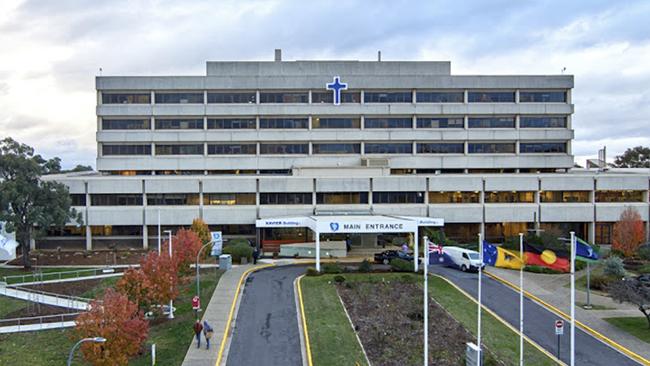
126,124
542,122
388,97
270,123
398,197
327,97
231,98
619,196
604,232
232,149
174,199
454,197
231,123
510,197
116,199
499,232
405,122
189,149
116,230
564,196
542,147
440,148
179,124
336,148
126,98
542,96
439,97
281,149
491,122
108,150
179,98
341,198
491,97
438,122
228,199
78,199
318,122
284,97
491,148
388,148
285,199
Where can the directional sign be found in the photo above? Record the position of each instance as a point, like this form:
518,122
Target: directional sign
559,327
217,243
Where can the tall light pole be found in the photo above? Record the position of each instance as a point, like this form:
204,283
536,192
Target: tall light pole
171,302
93,339
198,286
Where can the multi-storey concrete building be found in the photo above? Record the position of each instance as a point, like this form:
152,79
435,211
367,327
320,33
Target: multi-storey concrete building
255,140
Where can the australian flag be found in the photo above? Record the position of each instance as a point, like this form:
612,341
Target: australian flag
436,254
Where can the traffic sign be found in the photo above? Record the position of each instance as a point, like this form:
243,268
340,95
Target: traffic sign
559,327
196,303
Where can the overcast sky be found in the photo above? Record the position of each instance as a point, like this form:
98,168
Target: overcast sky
50,52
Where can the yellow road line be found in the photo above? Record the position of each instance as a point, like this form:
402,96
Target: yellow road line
559,312
508,325
304,322
232,310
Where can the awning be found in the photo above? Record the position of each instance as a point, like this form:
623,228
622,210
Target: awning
352,223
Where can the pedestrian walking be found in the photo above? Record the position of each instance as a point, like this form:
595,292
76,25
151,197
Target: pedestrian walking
207,332
256,254
197,330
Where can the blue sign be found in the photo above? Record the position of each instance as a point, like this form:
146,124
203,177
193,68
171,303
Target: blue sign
334,226
217,243
336,88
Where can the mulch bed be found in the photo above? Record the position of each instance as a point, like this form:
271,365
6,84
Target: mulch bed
97,258
73,288
34,310
388,317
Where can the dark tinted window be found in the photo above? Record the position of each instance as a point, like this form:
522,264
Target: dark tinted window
231,123
398,197
116,200
188,149
78,199
318,122
491,97
388,148
281,97
388,97
272,149
491,122
542,147
284,123
440,148
542,97
336,148
491,148
126,124
179,124
160,199
224,98
126,150
436,122
179,98
126,98
341,198
542,122
327,97
285,198
439,97
405,122
232,149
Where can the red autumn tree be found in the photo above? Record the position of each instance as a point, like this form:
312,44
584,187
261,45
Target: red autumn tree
628,232
185,245
162,277
119,321
137,287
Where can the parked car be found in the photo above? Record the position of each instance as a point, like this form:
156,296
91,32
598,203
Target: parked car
463,259
386,256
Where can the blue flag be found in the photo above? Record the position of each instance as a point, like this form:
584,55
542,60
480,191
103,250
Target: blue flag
584,251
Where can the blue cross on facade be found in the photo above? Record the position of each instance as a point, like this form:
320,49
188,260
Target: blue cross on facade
336,88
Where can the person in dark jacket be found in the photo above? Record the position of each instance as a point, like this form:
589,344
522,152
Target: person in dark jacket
348,243
207,332
256,254
197,330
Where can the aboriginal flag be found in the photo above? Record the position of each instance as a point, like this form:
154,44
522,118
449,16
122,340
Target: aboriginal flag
553,259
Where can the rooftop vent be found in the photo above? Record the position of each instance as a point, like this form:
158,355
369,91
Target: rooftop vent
278,54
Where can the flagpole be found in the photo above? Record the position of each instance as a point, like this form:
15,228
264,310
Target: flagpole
480,275
573,297
426,300
521,302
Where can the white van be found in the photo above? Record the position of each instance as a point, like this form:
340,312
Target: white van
463,259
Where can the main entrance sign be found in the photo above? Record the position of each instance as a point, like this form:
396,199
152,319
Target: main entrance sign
336,86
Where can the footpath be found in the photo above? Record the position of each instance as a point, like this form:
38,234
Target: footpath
552,290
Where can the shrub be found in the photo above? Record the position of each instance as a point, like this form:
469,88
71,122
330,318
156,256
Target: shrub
614,267
239,250
580,265
311,271
365,266
332,268
401,265
339,279
600,282
644,252
541,269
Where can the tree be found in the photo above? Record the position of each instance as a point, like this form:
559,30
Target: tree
26,202
135,285
200,228
186,245
628,233
637,157
119,321
161,272
635,291
79,168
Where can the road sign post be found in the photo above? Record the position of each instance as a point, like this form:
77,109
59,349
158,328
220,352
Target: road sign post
559,331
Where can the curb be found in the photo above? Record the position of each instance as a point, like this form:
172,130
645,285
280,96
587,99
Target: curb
304,321
593,332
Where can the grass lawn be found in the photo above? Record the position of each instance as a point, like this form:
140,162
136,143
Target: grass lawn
636,326
9,305
30,275
172,338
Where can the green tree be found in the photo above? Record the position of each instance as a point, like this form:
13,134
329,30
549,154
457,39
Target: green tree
636,157
26,202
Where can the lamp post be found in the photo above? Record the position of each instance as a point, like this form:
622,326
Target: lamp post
198,286
92,339
171,302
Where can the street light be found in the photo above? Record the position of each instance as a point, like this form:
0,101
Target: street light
171,302
92,339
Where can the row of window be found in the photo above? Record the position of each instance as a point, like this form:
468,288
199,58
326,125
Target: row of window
283,198
196,123
337,148
403,96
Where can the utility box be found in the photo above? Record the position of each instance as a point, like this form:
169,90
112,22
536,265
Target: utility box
472,355
225,262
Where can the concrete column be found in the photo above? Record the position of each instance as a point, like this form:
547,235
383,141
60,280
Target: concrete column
415,122
205,98
592,224
361,96
205,123
152,123
538,222
414,147
309,99
153,97
362,122
309,119
201,199
465,96
517,96
257,97
482,201
413,97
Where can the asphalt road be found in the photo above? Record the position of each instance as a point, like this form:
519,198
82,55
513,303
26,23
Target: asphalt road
266,329
538,321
